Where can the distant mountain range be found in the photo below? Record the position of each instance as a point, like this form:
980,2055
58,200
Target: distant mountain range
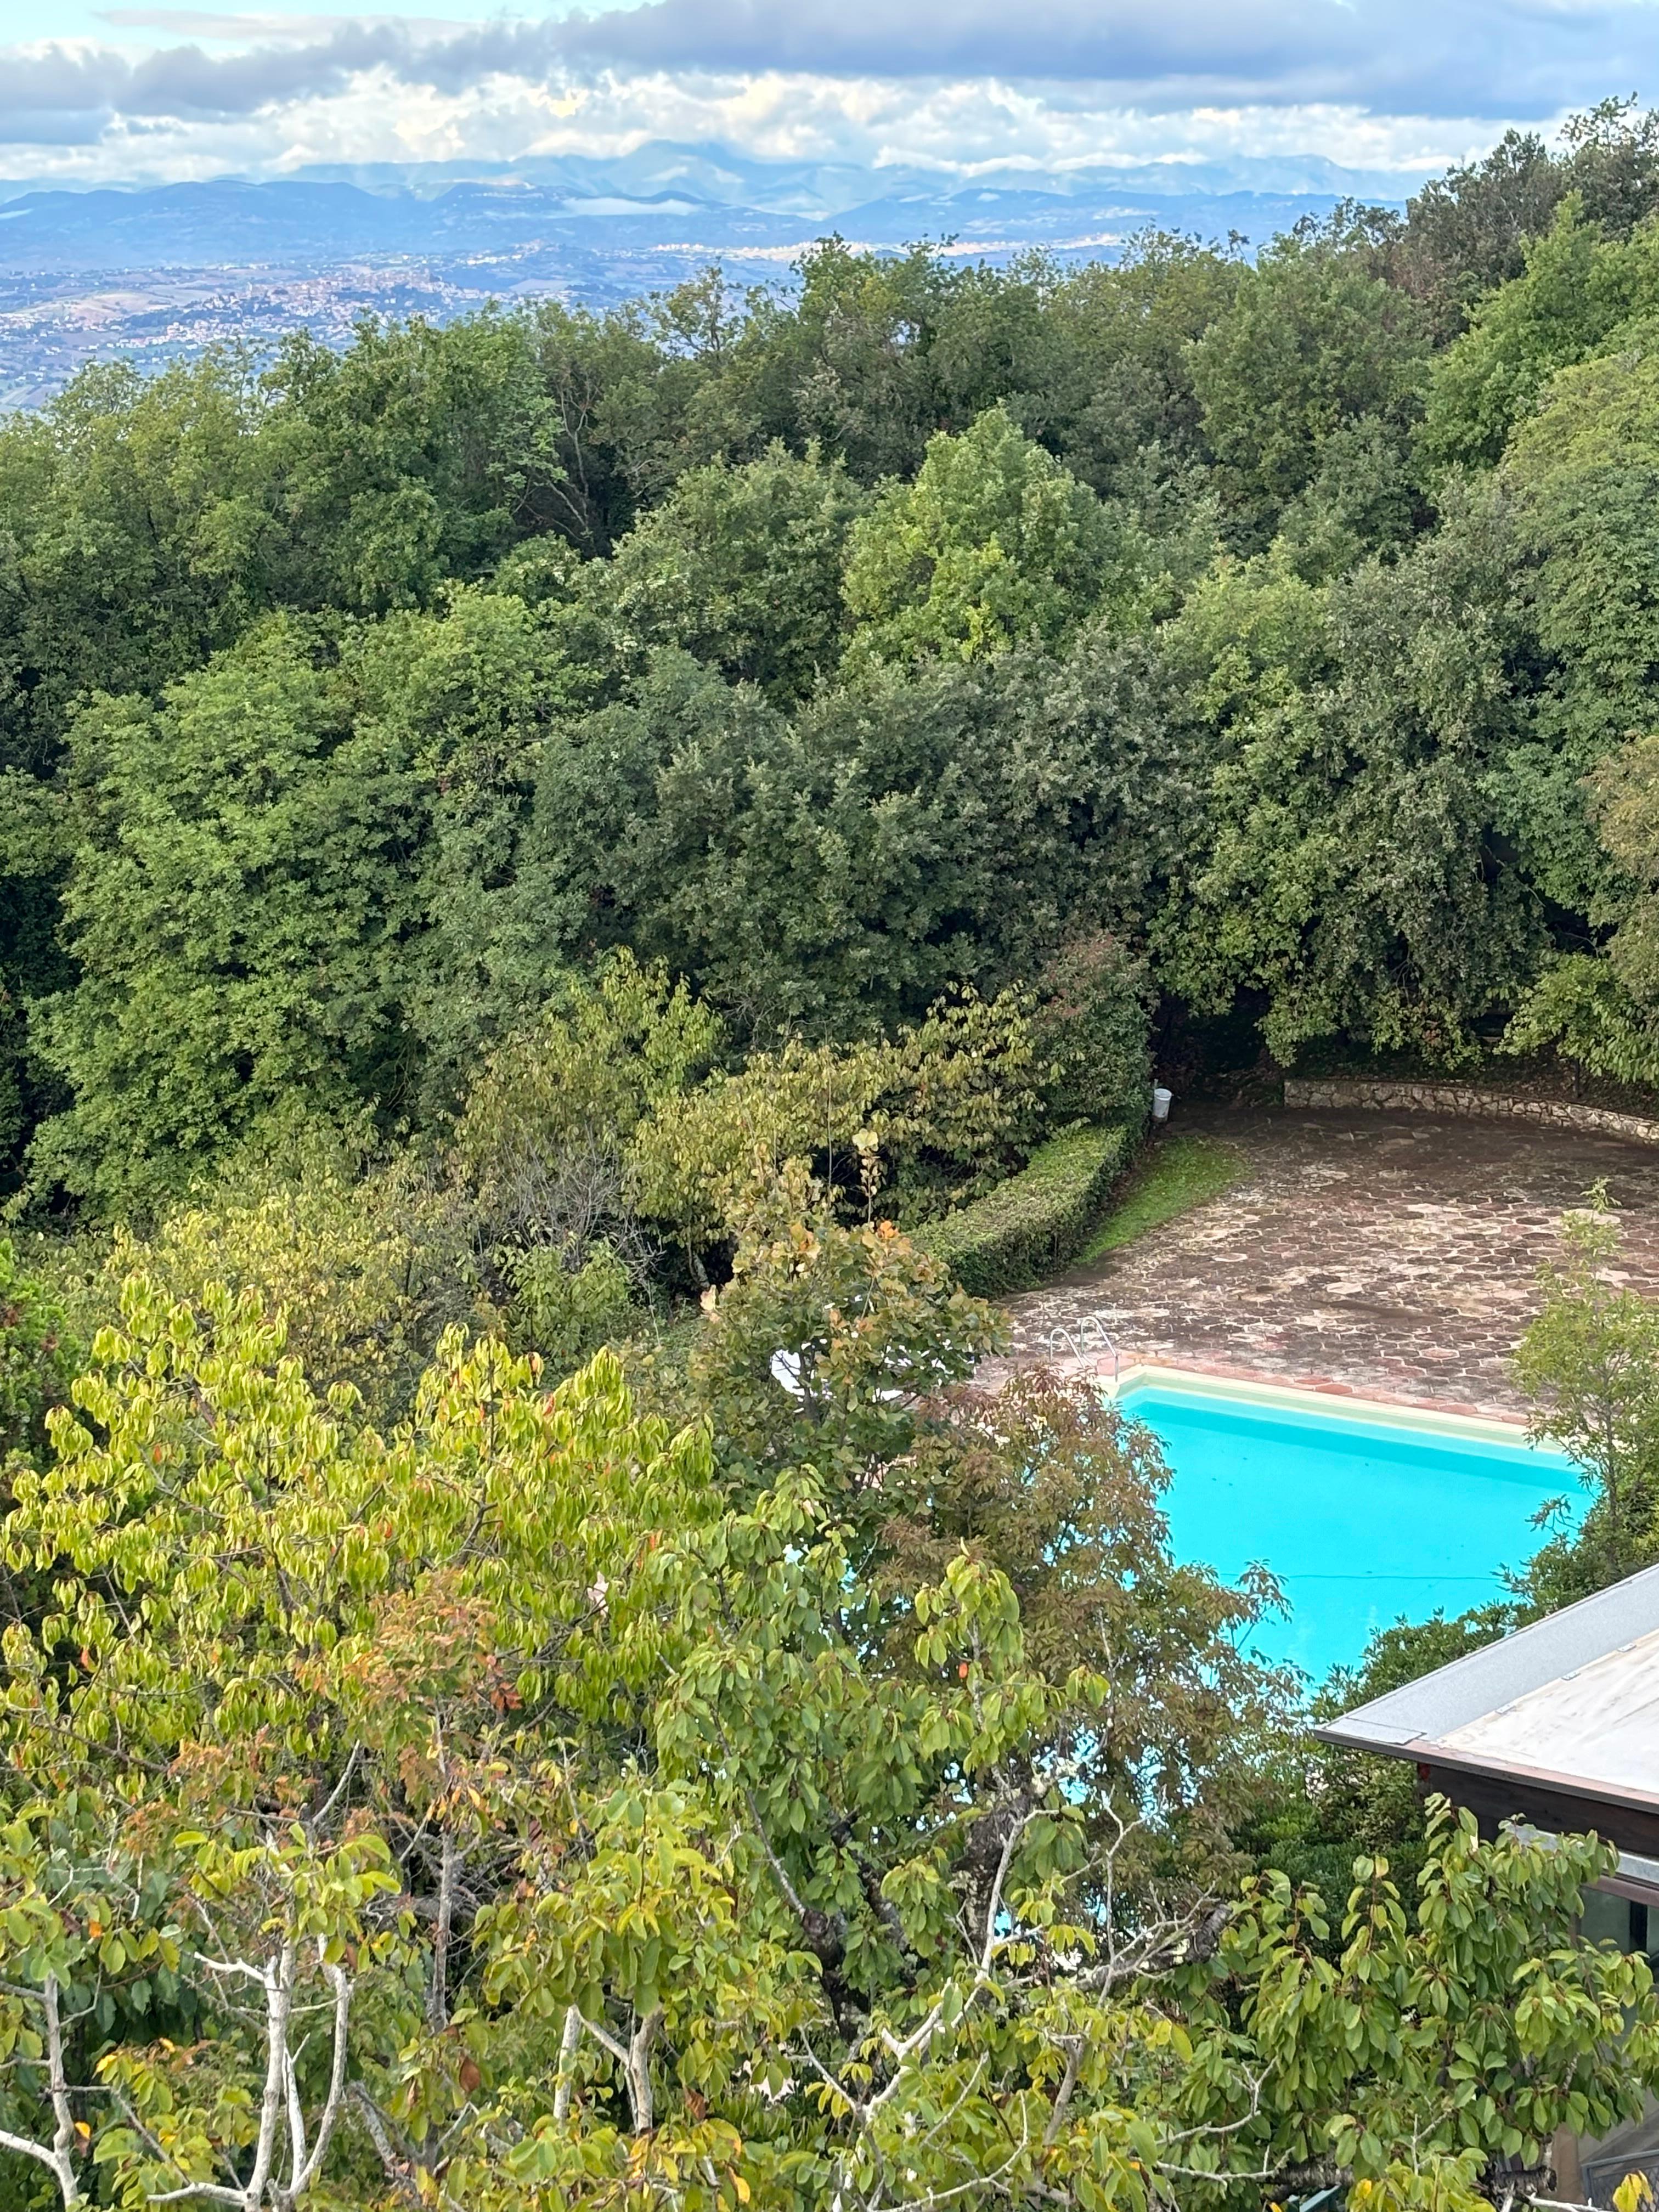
714,176
712,172
158,270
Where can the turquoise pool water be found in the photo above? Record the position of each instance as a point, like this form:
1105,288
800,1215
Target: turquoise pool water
1361,1521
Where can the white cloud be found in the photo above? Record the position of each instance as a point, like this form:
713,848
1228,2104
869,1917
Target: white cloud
1403,85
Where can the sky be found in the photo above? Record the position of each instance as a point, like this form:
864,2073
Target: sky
134,93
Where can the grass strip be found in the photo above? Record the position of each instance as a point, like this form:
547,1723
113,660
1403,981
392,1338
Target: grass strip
1173,1176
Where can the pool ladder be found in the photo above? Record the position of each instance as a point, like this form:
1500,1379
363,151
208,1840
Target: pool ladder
1092,1335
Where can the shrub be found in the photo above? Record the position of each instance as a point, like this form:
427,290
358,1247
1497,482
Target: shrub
1092,1027
1036,1220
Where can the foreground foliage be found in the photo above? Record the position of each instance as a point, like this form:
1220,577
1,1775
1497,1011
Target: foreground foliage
818,1795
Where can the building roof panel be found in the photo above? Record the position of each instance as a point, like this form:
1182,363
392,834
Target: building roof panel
1597,1724
1521,1691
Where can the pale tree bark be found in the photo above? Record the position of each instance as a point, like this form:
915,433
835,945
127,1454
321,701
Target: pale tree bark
634,2057
437,2002
639,2070
59,2155
279,2005
567,2042
396,2158
267,2189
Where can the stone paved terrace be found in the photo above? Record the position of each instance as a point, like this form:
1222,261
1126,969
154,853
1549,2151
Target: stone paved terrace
1385,1254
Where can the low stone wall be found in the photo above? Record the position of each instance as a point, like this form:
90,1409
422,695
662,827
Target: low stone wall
1466,1101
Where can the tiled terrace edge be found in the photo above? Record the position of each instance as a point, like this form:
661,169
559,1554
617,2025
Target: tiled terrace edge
1312,1396
1307,1393
1392,1255
1465,1101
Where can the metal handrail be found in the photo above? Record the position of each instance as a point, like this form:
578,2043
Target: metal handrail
1092,1335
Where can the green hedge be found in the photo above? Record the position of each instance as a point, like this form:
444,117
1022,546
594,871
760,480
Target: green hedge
1021,1231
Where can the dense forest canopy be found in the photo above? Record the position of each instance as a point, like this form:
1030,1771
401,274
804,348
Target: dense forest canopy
1289,620
842,649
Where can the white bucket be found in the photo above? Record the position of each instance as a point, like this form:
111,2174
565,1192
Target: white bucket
1161,1099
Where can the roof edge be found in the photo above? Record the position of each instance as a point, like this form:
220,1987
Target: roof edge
1481,1682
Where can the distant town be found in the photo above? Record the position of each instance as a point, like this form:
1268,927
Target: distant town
160,273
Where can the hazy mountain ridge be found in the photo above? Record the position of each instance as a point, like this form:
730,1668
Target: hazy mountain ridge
721,176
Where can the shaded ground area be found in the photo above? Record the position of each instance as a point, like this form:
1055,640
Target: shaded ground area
1388,1254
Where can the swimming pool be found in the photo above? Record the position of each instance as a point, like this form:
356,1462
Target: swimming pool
1363,1516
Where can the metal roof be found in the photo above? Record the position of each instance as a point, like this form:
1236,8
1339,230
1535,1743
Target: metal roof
1573,1699
1598,1726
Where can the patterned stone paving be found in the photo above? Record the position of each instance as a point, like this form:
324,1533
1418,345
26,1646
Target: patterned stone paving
1386,1253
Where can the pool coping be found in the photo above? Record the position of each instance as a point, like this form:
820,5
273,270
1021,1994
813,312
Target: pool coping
1317,1396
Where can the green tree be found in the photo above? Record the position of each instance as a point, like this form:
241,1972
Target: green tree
741,566
416,455
1364,499
934,1114
136,538
92,1950
464,694
1048,1483
1422,2060
1626,801
1613,159
39,1355
839,870
1315,341
322,1234
850,362
619,1812
34,844
1091,1030
1313,1805
1111,391
1598,1009
1578,291
1590,1362
1467,232
994,545
146,521
1581,476
621,399
538,1189
240,905
1347,870
392,1693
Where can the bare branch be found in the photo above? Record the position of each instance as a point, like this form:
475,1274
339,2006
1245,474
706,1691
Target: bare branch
320,1820
780,1872
279,1999
296,2118
979,2185
568,2043
902,2050
607,2041
235,1966
398,2166
63,2139
638,2070
437,1996
46,2155
307,2169
211,2190
1063,2094
634,2057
